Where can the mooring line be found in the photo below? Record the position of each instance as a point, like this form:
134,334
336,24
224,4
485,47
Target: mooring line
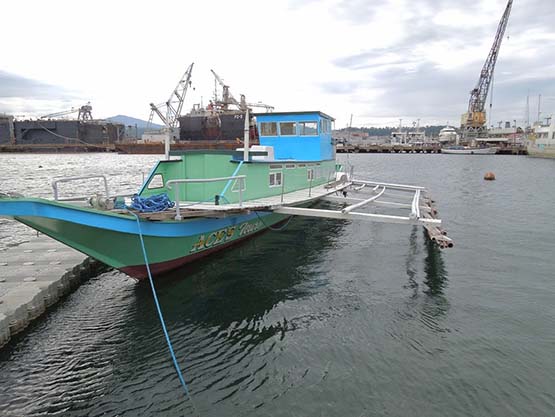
161,317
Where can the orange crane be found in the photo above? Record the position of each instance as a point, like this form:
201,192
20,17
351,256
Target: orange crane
473,122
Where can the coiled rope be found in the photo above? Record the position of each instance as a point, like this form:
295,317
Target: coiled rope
152,204
161,317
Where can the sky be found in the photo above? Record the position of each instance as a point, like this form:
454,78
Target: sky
377,60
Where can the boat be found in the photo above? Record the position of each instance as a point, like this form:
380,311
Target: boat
542,140
448,135
194,203
468,150
408,137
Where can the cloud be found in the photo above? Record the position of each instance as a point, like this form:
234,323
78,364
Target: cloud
13,85
339,87
428,70
26,95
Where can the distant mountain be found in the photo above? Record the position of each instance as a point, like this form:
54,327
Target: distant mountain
134,128
132,121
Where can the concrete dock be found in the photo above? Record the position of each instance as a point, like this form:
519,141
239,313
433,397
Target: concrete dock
33,277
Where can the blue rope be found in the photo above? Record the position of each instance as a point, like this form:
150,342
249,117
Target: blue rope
159,310
152,204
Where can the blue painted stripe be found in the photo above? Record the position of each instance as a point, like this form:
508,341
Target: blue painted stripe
101,220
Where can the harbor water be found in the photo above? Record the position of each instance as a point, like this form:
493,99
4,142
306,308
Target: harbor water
323,318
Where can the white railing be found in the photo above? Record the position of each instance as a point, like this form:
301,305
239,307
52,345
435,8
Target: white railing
171,183
415,206
69,179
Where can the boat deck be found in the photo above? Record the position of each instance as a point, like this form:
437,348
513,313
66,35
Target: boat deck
189,209
292,198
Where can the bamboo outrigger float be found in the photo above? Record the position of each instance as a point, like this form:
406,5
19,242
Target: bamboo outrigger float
214,199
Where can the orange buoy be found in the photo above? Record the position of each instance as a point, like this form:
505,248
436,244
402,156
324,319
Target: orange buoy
489,176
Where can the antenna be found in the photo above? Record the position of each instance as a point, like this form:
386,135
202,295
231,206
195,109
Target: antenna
528,109
539,107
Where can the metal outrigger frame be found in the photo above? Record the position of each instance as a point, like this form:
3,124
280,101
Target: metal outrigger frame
359,194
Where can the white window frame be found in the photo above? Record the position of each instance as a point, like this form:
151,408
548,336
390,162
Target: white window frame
300,128
294,128
261,130
275,175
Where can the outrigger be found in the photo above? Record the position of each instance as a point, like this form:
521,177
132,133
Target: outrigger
194,203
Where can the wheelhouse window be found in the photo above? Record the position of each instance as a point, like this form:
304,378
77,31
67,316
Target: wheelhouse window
308,128
268,129
325,126
275,179
287,128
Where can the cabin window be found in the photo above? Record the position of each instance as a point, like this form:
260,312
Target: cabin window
310,174
287,128
324,126
157,181
275,166
302,165
289,166
275,179
268,129
308,128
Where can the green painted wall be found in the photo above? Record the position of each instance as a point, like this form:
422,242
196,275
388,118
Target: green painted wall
207,165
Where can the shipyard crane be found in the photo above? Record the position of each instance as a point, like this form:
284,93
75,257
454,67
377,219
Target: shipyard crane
170,111
227,98
84,113
473,122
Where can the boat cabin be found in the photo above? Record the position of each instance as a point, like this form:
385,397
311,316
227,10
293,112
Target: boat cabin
301,136
296,152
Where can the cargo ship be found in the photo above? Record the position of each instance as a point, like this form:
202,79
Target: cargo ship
52,133
542,141
219,125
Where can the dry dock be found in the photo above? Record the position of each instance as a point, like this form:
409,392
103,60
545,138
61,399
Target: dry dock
33,277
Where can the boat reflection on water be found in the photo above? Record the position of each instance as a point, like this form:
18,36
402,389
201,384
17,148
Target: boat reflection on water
435,274
246,282
434,268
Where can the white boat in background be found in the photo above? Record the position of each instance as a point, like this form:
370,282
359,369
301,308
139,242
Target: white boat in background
468,150
542,143
448,135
